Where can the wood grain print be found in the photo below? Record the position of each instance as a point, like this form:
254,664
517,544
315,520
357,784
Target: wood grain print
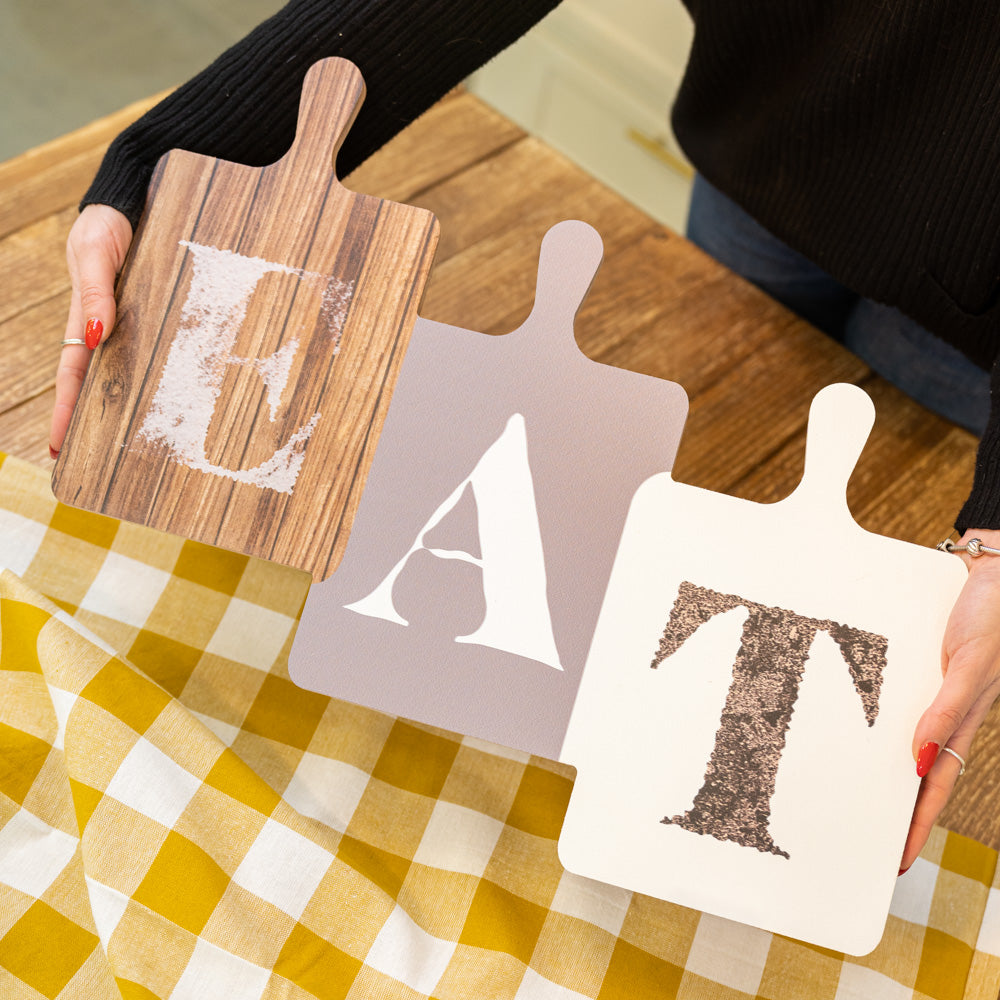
262,317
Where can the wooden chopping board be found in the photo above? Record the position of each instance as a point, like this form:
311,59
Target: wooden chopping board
263,314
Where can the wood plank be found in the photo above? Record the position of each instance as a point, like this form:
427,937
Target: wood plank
484,277
32,353
526,186
904,435
244,418
447,139
695,320
740,421
24,429
33,264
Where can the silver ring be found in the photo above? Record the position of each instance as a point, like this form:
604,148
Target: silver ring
958,757
74,340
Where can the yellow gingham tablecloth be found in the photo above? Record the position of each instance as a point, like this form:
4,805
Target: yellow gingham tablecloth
177,819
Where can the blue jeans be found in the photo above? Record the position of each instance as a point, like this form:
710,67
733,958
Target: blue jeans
925,367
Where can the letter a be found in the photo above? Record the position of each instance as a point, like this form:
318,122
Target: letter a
513,565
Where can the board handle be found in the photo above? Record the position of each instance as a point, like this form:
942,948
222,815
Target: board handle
840,419
332,94
570,255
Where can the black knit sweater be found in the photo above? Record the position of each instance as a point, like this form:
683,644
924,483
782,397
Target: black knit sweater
864,135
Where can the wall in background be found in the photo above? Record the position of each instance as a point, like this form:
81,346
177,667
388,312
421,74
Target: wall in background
596,80
64,63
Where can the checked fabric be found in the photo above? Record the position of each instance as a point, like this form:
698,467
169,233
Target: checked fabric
178,820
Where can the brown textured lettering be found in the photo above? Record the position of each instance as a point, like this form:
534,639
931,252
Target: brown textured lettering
734,802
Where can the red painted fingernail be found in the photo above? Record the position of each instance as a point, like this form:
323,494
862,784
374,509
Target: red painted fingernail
926,757
52,452
93,332
903,871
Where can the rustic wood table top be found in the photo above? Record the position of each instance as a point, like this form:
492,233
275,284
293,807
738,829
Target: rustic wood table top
658,306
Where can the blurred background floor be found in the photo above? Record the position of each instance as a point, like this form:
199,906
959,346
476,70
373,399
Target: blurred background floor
64,63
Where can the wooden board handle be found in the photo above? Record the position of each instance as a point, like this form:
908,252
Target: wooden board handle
332,94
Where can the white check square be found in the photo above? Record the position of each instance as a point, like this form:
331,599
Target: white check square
914,893
151,783
250,634
989,929
125,589
458,839
63,702
283,868
729,953
858,983
536,987
599,904
32,853
325,789
409,954
20,538
212,972
108,907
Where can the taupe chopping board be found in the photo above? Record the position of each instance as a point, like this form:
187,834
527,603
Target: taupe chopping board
263,314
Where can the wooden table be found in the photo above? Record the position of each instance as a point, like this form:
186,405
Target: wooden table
658,306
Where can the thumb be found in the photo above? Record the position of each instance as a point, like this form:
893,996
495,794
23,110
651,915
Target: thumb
95,252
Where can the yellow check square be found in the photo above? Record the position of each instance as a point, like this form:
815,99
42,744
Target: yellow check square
45,949
22,757
212,567
94,528
944,966
239,781
633,972
315,965
168,662
20,625
285,713
967,857
383,869
540,803
501,921
127,695
183,884
415,759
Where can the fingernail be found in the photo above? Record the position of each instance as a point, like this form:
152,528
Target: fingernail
52,452
926,757
903,871
93,332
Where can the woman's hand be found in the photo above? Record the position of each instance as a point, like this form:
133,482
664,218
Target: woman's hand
95,252
970,661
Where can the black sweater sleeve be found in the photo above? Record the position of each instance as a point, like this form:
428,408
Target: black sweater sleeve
243,106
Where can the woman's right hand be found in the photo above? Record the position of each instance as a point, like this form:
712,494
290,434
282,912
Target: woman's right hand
95,252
